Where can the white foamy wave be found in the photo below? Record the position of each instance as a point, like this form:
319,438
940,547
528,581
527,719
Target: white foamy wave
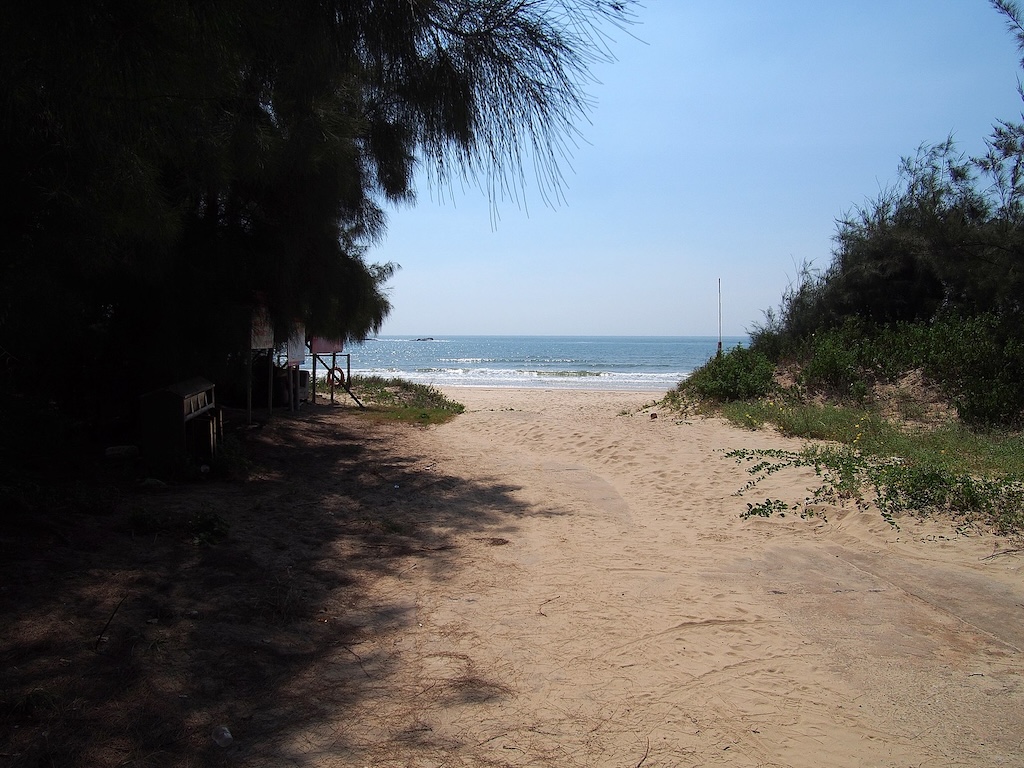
569,379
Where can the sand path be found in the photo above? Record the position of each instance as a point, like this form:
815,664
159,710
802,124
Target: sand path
624,615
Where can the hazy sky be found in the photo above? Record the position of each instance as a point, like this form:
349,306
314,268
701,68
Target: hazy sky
726,141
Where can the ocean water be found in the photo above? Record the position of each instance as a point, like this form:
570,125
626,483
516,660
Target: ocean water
643,363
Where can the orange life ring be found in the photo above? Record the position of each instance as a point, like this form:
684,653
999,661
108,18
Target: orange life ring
336,377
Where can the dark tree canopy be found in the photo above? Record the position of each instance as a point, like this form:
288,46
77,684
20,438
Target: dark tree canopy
164,164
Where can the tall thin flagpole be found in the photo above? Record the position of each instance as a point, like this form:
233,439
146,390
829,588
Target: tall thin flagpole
719,315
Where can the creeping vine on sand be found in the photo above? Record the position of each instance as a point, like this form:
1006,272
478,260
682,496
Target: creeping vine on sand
891,485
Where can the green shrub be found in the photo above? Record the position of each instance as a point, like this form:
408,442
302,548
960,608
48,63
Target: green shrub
890,351
979,364
739,374
977,361
833,366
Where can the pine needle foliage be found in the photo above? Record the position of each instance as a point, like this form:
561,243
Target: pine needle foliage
167,165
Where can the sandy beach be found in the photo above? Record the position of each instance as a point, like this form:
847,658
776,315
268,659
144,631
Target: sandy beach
554,578
620,613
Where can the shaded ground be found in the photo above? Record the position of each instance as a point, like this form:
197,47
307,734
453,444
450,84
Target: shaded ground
551,579
135,626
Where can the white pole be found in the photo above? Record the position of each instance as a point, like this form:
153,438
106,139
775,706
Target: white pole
719,315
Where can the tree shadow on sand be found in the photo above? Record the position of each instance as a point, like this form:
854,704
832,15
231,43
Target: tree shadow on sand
134,628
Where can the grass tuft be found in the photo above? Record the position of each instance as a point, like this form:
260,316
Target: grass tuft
400,400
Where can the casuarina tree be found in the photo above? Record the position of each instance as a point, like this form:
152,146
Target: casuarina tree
165,164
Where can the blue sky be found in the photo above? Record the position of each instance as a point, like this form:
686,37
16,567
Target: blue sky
726,140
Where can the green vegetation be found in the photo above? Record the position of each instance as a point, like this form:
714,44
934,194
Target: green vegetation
949,445
894,485
975,361
741,374
400,400
925,286
871,449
